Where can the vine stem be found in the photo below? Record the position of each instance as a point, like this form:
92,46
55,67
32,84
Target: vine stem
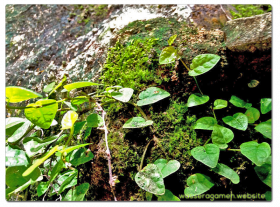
144,153
214,113
185,65
207,141
197,85
111,179
140,110
237,150
70,136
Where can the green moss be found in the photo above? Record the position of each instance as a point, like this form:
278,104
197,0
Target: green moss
248,10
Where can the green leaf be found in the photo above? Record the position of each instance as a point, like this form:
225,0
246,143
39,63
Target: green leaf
160,163
237,121
79,100
14,178
168,55
72,106
257,153
39,161
220,104
203,63
82,84
137,122
168,196
239,102
87,132
69,181
268,195
171,39
58,85
206,123
266,105
55,171
78,127
198,184
150,179
197,99
77,194
49,87
15,94
113,87
42,188
208,154
221,136
149,196
72,148
152,95
227,172
19,132
94,120
42,116
80,156
69,119
252,114
15,157
171,167
12,124
125,95
265,129
264,172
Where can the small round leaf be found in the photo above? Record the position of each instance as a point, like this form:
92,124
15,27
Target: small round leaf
221,136
266,105
220,104
239,102
125,95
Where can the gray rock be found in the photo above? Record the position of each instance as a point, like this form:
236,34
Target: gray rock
249,34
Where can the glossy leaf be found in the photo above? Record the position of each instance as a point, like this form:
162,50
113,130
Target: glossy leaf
42,116
15,157
79,100
19,132
268,195
264,172
252,114
160,163
72,148
152,95
69,119
12,124
80,156
77,194
265,129
168,55
94,120
257,153
125,95
55,171
171,39
49,87
168,196
203,63
78,127
227,172
137,122
197,99
69,181
237,121
42,188
15,94
198,184
171,167
72,106
206,123
221,136
239,102
39,161
266,105
220,104
208,154
149,196
82,84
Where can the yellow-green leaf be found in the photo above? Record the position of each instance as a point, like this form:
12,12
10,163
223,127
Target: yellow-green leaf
69,119
15,94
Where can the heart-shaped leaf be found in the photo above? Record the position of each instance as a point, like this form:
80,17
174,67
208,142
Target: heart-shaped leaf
206,123
80,156
152,95
203,63
208,154
167,168
94,120
125,95
69,119
15,157
49,87
79,100
257,153
198,184
77,194
252,114
81,84
264,172
13,123
42,116
150,179
168,55
171,39
221,136
15,94
227,172
19,132
197,99
266,105
137,122
265,128
220,104
239,102
237,121
168,196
